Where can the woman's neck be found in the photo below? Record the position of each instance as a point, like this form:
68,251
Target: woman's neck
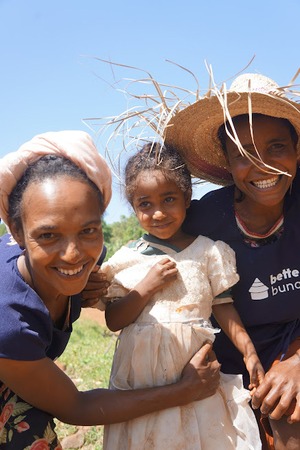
258,218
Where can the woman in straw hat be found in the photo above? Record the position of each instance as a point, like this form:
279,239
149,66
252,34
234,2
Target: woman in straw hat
247,139
53,192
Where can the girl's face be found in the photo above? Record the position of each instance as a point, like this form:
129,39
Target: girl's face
276,147
159,204
62,235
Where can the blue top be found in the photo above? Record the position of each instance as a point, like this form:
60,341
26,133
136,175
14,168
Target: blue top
267,296
26,329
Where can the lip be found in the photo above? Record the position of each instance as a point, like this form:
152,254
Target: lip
266,183
162,225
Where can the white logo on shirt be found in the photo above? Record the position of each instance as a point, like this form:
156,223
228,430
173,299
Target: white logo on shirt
280,283
258,290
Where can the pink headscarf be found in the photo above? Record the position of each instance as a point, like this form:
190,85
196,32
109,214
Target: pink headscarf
74,145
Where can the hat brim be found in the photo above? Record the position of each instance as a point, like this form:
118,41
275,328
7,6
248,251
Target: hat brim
193,132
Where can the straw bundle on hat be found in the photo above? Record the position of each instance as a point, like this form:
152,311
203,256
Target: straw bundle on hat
193,132
75,145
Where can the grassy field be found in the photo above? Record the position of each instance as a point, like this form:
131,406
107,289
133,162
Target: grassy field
87,360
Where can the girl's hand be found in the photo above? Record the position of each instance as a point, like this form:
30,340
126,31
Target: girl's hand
255,370
280,387
95,288
161,274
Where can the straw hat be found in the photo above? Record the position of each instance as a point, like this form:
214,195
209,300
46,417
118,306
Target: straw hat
193,131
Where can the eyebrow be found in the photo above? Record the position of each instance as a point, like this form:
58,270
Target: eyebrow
54,227
164,194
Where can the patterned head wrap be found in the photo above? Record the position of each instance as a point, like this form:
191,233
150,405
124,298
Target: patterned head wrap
76,146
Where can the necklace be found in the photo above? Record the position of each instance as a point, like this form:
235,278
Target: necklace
243,228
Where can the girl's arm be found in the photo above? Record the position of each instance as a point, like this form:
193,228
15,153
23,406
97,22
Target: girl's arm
230,322
43,385
125,310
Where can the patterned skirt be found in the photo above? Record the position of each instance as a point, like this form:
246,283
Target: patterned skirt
23,427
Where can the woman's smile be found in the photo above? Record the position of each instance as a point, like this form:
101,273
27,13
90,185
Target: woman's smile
266,183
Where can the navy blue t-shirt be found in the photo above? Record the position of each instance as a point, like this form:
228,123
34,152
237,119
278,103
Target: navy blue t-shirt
26,329
267,296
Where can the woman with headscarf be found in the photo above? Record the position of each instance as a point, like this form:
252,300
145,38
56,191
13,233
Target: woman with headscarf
53,192
247,139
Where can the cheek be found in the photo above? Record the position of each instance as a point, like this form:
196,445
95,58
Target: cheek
239,169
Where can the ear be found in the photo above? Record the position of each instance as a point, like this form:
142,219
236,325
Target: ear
17,233
187,198
227,166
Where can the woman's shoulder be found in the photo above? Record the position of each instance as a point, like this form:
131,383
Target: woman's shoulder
8,247
25,324
206,215
220,197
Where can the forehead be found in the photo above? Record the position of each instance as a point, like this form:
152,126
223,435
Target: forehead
59,198
153,182
259,121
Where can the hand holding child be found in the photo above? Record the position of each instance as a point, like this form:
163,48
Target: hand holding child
95,288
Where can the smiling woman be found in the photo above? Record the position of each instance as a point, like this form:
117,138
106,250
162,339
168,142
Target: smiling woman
53,192
247,139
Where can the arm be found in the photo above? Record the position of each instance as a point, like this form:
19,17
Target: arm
279,388
230,322
125,310
42,384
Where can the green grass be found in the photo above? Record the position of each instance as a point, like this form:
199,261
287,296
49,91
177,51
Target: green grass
87,360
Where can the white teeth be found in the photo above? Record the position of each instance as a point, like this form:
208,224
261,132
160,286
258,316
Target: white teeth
264,184
70,272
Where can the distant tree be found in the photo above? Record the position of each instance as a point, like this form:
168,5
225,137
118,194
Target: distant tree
107,233
3,229
119,233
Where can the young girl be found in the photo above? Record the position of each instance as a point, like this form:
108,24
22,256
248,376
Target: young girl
163,290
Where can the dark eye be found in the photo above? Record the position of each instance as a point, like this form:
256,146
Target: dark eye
88,231
47,236
277,147
144,204
169,199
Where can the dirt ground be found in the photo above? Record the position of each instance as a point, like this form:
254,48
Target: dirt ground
93,314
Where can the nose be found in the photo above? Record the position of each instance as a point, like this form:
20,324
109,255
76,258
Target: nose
158,214
70,251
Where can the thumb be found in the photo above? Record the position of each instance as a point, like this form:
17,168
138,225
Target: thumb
204,353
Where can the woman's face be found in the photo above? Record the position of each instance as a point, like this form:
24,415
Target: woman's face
61,233
273,140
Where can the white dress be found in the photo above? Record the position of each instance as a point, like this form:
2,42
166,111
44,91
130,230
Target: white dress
154,349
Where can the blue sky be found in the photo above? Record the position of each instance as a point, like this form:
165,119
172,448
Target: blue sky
50,80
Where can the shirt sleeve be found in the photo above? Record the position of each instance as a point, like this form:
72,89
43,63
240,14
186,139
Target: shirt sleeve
222,268
25,328
224,297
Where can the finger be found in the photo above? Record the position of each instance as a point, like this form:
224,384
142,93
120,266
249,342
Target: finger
281,407
171,273
211,355
90,303
96,285
295,416
93,293
165,261
259,395
97,277
203,353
